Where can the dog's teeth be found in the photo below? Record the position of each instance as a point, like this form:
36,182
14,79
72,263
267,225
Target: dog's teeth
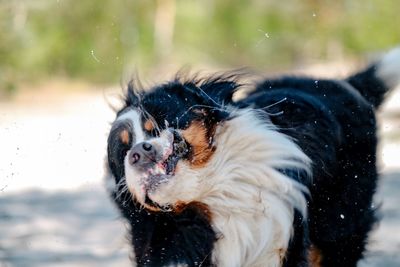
160,169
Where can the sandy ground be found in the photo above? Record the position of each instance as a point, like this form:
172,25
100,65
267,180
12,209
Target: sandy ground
54,210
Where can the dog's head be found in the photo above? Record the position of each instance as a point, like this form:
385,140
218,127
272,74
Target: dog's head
162,140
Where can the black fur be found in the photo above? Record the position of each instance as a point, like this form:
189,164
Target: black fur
335,126
369,86
297,254
163,238
166,238
332,121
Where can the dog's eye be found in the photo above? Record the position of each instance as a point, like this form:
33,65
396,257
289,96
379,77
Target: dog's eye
181,148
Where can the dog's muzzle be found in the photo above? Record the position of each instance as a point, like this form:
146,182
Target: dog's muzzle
156,159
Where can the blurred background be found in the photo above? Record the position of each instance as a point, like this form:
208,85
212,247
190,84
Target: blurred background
62,63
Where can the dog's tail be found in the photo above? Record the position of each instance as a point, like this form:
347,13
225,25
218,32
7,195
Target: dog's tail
375,81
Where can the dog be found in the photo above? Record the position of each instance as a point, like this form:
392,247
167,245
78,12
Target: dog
284,176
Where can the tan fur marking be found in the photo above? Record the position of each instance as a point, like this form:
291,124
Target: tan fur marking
282,253
149,125
201,207
180,206
314,256
152,208
124,135
149,207
196,136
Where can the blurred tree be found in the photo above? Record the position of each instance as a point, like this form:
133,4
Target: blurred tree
164,22
98,40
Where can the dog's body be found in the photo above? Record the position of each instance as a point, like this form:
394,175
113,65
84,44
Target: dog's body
283,177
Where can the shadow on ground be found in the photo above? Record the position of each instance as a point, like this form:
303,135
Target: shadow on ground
384,245
82,228
78,228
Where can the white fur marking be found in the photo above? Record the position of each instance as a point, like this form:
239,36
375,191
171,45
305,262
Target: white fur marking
252,204
257,216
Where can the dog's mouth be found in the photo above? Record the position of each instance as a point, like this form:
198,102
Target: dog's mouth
160,173
163,170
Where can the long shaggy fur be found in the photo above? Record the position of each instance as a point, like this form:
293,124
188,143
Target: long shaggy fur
283,177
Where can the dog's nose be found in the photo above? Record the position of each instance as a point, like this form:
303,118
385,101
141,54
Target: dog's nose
142,155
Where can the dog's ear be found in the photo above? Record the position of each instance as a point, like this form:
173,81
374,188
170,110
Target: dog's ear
132,97
219,90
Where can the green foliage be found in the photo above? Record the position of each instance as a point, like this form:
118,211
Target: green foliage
98,40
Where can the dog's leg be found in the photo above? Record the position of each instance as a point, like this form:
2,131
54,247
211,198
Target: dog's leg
297,253
342,218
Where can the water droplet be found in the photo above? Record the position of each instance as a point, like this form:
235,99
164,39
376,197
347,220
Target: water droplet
93,56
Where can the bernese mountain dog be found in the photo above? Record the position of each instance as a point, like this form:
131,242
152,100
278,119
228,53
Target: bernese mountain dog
285,176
